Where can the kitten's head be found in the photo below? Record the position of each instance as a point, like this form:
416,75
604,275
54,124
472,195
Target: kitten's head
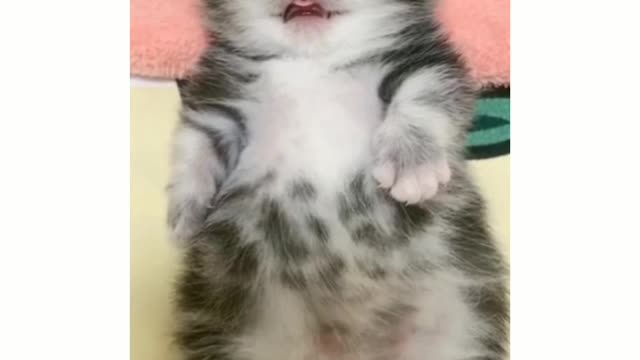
309,27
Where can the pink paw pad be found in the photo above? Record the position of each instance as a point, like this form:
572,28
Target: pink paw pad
414,185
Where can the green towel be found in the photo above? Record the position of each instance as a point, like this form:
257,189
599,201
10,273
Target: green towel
491,132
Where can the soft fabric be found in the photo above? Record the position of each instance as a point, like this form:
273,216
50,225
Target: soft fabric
154,262
480,29
167,37
491,133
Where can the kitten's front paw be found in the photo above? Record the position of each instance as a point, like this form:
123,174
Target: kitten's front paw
412,185
185,218
409,164
189,205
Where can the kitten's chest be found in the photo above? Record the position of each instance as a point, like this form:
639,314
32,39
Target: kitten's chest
305,112
306,92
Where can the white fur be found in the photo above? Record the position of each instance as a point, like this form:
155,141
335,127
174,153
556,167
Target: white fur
421,182
363,26
282,331
305,119
194,171
409,103
443,328
308,120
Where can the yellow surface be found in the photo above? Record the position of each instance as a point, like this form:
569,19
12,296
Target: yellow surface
154,260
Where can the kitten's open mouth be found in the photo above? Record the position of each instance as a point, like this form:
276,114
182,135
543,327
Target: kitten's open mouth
306,9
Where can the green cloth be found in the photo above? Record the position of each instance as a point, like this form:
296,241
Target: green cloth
491,132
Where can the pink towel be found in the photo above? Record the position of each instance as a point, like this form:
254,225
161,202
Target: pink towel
167,37
480,29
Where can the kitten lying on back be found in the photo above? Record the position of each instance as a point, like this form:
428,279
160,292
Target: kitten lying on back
320,191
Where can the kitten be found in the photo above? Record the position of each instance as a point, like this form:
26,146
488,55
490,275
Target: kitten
320,190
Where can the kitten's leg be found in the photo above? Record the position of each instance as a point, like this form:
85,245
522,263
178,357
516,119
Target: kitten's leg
422,130
206,146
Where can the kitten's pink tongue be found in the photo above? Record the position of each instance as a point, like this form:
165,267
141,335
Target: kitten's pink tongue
304,8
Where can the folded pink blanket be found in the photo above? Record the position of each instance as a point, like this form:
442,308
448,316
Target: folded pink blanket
167,37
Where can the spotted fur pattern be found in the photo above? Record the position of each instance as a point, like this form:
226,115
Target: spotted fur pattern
319,190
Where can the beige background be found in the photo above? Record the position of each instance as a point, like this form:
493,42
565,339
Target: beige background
154,260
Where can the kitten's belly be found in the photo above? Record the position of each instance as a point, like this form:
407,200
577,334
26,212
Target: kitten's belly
307,170
312,121
306,197
326,237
